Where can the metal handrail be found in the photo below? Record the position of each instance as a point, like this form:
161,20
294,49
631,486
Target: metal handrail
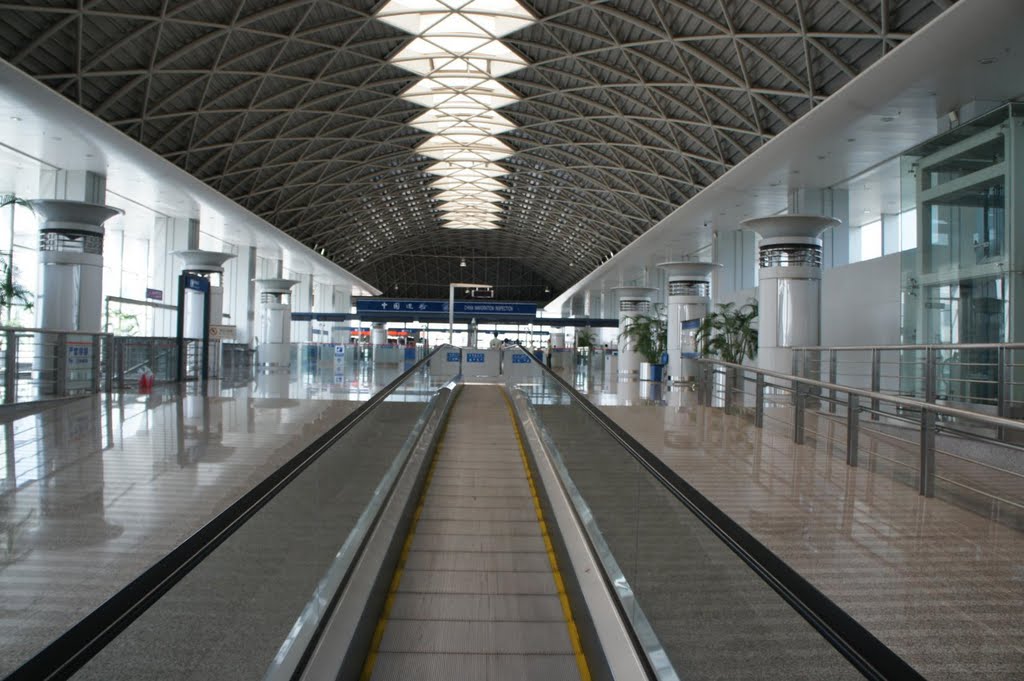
851,639
801,387
69,652
988,384
926,346
74,332
899,400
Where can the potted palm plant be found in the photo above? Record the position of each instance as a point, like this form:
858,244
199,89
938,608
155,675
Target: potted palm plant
585,338
648,334
12,294
729,333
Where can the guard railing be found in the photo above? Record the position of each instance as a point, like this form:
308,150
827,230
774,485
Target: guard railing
998,476
986,377
44,363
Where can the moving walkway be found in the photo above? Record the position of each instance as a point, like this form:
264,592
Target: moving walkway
478,531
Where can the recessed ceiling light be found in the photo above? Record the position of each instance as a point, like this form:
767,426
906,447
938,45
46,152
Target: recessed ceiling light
985,61
15,118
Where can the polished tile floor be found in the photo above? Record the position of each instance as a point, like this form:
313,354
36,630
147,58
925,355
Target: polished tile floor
95,491
941,583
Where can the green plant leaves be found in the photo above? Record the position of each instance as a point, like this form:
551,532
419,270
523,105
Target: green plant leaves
648,334
729,333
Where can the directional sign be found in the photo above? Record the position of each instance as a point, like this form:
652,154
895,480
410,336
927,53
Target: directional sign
197,283
389,306
519,358
474,358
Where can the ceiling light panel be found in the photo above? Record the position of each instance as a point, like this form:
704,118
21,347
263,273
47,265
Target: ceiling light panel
458,51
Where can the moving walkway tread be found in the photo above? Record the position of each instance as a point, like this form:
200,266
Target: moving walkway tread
477,593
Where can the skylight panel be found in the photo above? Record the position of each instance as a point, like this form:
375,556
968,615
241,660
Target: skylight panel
457,51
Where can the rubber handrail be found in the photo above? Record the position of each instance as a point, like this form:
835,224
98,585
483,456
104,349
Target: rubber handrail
860,647
69,652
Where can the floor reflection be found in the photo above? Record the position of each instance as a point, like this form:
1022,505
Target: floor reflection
96,490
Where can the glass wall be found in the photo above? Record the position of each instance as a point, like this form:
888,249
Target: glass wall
958,282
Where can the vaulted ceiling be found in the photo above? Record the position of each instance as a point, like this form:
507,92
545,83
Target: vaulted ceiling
623,111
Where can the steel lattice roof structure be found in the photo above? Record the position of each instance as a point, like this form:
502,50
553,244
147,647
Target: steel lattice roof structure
623,111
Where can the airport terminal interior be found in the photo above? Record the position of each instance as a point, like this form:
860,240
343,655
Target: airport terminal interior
511,339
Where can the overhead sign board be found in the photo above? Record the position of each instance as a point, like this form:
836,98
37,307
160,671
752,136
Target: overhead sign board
391,308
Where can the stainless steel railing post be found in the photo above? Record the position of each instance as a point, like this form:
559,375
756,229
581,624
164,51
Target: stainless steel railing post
833,373
11,367
701,368
876,381
798,412
930,364
110,364
727,388
927,466
97,348
60,379
852,428
1002,387
759,401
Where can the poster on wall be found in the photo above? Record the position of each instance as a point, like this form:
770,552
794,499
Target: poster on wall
688,338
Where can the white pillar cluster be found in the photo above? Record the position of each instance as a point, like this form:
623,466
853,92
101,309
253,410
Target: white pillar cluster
789,285
689,298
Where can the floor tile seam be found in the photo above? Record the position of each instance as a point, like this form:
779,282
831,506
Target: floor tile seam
499,528
489,654
497,522
510,551
552,594
433,571
464,620
499,536
490,496
473,654
509,488
482,481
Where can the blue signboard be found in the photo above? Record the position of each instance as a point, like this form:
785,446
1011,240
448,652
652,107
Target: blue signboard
465,308
453,357
475,357
521,359
197,283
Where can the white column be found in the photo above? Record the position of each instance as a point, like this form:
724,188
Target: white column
70,295
689,297
208,264
237,294
169,235
378,334
275,330
302,301
789,289
633,300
